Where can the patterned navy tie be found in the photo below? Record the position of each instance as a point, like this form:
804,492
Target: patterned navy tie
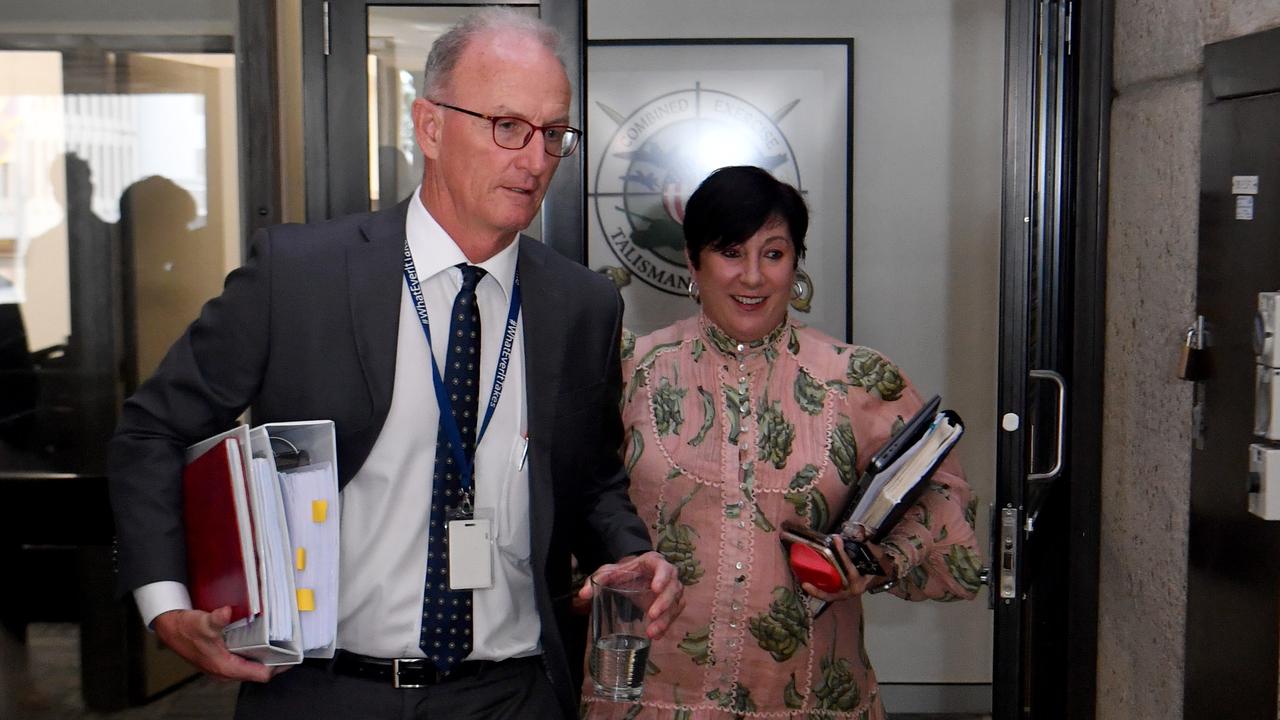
446,614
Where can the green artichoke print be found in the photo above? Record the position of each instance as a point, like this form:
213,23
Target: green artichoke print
651,668
776,434
708,415
736,404
918,576
653,352
810,393
628,344
637,448
971,513
869,370
747,486
837,690
783,629
736,698
804,478
666,407
792,699
633,712
839,386
682,713
722,342
965,566
697,645
770,354
811,505
699,347
844,450
793,342
676,541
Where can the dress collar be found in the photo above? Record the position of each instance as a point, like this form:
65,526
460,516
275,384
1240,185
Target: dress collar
726,345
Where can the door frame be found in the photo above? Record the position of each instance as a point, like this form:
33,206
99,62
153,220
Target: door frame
1023,674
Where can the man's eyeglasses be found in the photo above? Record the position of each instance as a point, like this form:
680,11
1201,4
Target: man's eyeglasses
514,133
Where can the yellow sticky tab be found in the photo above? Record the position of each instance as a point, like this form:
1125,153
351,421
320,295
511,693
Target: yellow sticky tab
319,510
300,559
306,600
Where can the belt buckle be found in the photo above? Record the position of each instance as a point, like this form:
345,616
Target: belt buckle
395,672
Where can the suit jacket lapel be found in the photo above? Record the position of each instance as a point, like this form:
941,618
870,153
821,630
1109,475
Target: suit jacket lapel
374,267
544,346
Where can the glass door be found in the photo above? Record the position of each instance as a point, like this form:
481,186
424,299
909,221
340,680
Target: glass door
119,217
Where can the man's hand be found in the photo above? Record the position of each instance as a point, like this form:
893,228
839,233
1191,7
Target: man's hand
197,636
668,592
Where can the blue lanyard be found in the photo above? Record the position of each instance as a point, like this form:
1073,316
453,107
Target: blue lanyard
447,421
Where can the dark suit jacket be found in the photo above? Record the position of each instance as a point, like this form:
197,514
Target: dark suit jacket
307,329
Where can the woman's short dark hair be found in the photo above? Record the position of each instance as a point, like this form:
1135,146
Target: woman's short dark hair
736,201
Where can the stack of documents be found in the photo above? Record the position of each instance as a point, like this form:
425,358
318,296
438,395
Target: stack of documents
897,474
311,499
265,542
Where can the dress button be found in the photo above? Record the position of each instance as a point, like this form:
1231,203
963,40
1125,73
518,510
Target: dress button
746,466
744,408
737,607
742,523
738,565
741,347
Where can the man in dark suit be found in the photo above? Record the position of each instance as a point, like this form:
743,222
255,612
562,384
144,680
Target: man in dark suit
327,321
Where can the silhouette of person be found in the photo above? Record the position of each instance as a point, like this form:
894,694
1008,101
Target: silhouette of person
174,269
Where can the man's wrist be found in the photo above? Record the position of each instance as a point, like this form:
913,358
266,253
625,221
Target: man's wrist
157,598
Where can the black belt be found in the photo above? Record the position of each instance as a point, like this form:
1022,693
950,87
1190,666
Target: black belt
403,672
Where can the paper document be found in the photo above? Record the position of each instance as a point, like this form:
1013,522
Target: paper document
311,506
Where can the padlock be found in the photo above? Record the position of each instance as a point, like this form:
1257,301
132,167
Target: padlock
1194,363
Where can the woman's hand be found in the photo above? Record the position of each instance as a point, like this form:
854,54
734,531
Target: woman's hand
668,592
858,583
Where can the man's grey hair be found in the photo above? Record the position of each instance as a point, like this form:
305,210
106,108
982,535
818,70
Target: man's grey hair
448,48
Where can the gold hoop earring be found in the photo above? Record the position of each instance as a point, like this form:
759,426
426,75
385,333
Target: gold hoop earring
694,294
797,290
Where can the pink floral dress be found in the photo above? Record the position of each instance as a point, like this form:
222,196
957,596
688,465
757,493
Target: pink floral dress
724,442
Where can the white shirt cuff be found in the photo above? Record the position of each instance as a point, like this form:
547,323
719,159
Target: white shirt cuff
160,597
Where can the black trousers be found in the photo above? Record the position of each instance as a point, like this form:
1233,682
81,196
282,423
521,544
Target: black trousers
512,689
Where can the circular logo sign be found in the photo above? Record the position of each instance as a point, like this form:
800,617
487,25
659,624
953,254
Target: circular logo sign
657,157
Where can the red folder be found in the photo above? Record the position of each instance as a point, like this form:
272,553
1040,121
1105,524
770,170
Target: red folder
215,522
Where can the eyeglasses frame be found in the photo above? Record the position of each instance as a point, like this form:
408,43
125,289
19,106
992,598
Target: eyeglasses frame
493,126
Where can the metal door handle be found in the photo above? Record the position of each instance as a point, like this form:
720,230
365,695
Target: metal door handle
1062,429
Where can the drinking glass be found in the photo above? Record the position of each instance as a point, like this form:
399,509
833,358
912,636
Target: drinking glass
619,646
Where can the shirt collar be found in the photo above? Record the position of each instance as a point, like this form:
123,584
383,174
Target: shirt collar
726,345
435,252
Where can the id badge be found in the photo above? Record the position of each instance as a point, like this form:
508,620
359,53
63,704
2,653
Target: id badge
470,553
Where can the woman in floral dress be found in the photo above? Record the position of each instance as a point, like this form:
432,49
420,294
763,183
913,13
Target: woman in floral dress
740,418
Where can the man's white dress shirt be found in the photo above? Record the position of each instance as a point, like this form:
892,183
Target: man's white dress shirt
385,507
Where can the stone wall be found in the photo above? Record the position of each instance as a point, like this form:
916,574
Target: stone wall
1151,276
